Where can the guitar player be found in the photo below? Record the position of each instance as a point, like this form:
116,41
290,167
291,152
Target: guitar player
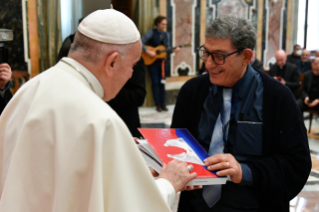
155,37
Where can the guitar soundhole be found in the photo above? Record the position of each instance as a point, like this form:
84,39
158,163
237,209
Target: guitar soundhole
158,52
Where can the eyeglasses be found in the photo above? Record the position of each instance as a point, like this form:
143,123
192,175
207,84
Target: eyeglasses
219,59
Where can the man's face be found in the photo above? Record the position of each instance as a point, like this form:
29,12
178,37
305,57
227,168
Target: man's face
162,25
305,56
315,68
232,70
125,69
296,49
281,60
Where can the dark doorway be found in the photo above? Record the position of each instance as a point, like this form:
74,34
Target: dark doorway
124,6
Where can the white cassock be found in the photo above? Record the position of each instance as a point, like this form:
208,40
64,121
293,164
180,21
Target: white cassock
62,148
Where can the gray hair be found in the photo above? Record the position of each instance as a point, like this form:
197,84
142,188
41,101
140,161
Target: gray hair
94,51
240,31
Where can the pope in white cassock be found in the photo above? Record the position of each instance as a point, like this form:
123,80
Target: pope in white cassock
62,148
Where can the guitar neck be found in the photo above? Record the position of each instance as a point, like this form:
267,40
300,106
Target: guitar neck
169,49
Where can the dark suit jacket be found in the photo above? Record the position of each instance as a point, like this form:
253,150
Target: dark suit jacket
306,84
257,64
291,76
5,100
292,59
303,68
130,97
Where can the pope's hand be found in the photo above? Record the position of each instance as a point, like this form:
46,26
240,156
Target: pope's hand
177,173
226,164
186,188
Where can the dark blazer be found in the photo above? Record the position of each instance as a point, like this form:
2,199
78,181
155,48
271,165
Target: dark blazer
257,64
130,97
291,76
283,169
303,68
292,59
5,100
306,84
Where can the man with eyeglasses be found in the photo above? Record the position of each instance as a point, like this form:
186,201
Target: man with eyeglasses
248,122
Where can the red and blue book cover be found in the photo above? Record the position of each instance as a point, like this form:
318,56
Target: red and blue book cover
179,144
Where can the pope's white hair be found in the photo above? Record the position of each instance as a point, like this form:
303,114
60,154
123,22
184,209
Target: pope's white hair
94,51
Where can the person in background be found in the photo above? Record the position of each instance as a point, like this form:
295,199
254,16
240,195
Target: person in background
155,37
304,64
130,97
64,149
285,72
66,45
294,57
317,53
310,88
249,124
5,93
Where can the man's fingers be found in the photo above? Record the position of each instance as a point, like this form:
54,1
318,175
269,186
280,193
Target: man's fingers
216,159
218,166
225,172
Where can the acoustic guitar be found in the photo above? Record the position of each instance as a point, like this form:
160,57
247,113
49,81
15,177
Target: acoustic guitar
160,53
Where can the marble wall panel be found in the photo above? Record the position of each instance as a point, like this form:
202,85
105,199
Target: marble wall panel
274,24
234,7
244,8
259,30
183,62
270,18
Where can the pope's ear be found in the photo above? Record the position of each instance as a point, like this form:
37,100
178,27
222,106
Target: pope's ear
248,53
111,63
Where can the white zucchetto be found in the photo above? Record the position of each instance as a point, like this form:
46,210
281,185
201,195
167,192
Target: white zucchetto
109,26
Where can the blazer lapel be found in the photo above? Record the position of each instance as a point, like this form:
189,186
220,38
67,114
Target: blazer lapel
288,72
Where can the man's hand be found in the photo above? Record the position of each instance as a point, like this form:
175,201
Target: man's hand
282,81
177,49
306,101
150,53
314,103
226,164
5,74
177,173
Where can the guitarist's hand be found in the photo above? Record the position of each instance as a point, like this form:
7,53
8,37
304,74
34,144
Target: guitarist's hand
150,53
177,49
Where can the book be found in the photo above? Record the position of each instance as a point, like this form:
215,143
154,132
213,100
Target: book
163,145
